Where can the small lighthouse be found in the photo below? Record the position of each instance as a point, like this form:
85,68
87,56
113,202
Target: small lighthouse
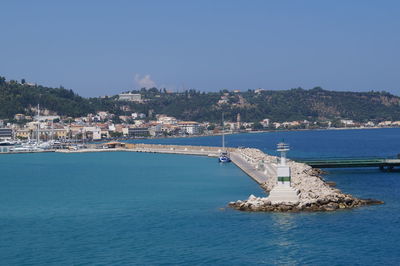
283,171
282,191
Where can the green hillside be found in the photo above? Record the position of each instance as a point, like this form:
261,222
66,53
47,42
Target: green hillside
253,105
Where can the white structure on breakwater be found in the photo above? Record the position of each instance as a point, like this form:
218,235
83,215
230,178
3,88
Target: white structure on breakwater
283,170
283,191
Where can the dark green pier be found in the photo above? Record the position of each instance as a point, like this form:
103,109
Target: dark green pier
381,163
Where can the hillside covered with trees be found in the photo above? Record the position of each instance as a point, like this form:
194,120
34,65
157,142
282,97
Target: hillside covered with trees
253,105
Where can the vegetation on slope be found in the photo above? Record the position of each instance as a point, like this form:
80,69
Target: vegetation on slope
286,105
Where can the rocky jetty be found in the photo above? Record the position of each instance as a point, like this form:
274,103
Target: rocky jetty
258,204
313,192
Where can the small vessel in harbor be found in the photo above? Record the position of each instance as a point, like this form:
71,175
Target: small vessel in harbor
224,156
5,146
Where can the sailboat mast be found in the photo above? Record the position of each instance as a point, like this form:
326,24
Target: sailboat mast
52,129
223,131
38,125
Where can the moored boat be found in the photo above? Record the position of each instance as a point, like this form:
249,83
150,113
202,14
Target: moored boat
224,155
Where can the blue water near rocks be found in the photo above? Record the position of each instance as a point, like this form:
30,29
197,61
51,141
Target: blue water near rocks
143,209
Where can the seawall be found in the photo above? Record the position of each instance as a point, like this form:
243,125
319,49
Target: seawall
155,148
314,194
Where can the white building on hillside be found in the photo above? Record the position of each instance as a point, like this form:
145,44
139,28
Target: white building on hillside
131,97
347,122
167,120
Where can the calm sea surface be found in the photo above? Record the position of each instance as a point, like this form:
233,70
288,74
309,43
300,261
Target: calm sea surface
145,209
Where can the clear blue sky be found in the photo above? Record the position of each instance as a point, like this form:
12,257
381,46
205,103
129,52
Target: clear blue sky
104,47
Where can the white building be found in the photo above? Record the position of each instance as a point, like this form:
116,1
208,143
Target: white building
138,115
131,97
231,125
190,127
276,124
138,123
347,122
370,124
167,120
385,123
94,131
125,131
102,115
265,122
155,130
43,118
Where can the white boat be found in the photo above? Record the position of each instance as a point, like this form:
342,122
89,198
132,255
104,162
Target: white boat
25,148
6,146
6,143
224,155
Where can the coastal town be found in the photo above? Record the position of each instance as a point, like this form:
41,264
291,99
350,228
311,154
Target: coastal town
200,133
49,132
48,125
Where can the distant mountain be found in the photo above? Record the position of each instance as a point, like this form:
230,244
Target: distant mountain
252,105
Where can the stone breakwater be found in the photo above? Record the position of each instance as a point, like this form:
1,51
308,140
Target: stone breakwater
314,194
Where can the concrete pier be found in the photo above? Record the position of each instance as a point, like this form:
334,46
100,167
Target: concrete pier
257,175
155,148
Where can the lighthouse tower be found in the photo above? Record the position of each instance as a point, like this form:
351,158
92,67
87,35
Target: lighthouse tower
283,171
282,191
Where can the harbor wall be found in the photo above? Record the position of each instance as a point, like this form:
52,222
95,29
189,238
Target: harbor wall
175,147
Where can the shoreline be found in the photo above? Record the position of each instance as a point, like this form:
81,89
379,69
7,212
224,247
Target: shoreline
237,133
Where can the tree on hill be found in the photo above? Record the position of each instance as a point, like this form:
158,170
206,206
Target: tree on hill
285,105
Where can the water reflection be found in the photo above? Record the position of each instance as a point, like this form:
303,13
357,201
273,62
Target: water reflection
283,240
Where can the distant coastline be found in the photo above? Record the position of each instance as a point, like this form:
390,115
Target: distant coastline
249,132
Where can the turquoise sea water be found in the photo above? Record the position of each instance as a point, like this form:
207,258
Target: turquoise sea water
143,209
